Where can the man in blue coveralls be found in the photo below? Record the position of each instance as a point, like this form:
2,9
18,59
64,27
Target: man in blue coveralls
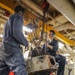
11,58
51,47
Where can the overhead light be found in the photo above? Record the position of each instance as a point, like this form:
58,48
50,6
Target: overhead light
60,45
27,29
1,35
67,54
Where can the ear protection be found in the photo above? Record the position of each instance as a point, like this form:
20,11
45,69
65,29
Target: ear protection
21,13
53,34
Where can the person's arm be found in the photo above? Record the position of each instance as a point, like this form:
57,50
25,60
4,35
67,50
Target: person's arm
17,30
54,47
49,46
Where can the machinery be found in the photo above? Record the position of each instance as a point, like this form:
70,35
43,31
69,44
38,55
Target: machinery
70,69
41,63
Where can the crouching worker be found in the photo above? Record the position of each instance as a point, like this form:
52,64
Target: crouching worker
11,58
51,47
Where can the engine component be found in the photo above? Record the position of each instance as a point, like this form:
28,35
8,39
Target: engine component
41,63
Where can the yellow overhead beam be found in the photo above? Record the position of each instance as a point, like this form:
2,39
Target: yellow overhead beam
46,28
6,7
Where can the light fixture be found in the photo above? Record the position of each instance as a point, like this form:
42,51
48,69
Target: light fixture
60,45
1,35
26,29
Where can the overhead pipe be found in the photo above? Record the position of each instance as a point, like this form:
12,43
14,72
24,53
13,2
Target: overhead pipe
2,20
65,7
2,17
68,47
31,11
59,18
6,7
73,33
33,6
2,14
65,27
66,51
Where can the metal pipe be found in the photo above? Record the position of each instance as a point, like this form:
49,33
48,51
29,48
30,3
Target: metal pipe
65,27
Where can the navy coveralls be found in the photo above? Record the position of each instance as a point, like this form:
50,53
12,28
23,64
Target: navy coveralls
11,58
59,58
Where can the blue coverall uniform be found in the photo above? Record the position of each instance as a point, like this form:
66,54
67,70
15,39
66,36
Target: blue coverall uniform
11,58
59,58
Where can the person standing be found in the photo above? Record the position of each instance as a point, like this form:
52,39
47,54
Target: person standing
11,58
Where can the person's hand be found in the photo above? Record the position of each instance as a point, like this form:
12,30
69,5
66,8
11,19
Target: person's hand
47,45
26,48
